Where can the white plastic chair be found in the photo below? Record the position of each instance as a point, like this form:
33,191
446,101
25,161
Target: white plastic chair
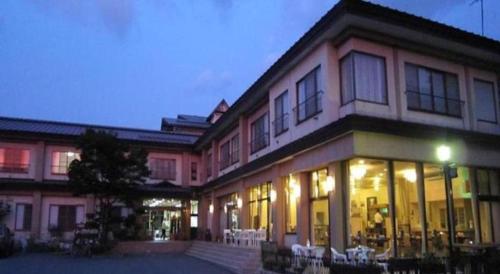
260,236
251,236
236,237
382,258
317,259
244,238
338,257
298,252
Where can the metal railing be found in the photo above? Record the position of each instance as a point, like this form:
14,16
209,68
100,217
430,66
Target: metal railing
434,103
280,124
309,107
259,142
14,168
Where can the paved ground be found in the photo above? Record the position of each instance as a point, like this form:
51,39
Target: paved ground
132,264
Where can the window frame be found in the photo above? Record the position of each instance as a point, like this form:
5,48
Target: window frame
317,96
154,176
13,167
63,152
446,98
234,154
495,97
264,135
225,158
24,228
283,117
351,55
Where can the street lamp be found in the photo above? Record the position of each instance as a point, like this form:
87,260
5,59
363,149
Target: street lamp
443,153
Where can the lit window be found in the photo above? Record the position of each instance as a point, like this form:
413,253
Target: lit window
14,160
61,161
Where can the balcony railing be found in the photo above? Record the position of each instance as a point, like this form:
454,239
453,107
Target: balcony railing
235,156
434,104
231,159
309,107
259,142
14,168
163,174
280,124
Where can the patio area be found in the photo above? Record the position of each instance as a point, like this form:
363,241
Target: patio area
144,264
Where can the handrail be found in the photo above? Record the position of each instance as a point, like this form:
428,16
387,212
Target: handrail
447,101
316,98
280,123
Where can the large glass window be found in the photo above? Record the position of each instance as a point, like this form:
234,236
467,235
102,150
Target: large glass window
14,160
432,90
23,217
320,217
363,77
259,205
462,204
488,186
309,96
230,215
435,208
485,106
194,213
260,133
292,193
61,161
370,223
281,106
65,217
408,224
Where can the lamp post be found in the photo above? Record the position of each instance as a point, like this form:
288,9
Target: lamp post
443,154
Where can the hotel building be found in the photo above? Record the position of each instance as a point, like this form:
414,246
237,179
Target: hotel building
334,144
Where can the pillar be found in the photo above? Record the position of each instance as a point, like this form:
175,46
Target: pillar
39,161
303,209
278,211
185,169
245,210
215,218
186,219
421,204
36,214
338,213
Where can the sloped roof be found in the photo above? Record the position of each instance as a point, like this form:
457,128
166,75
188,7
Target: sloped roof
184,120
19,125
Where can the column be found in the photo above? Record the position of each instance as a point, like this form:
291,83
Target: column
186,219
185,169
338,213
278,210
39,161
392,207
202,214
475,204
215,218
303,209
421,204
36,214
245,210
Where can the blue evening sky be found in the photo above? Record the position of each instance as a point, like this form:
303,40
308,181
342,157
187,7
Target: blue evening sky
130,62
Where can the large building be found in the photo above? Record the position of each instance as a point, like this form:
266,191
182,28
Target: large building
334,144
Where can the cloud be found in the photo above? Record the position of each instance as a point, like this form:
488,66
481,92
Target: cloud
116,16
211,81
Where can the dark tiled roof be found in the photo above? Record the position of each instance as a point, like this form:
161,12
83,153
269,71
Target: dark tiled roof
187,121
19,125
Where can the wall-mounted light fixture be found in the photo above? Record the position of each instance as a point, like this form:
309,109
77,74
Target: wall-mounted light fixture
273,195
211,208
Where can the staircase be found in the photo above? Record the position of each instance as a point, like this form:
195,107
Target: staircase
241,260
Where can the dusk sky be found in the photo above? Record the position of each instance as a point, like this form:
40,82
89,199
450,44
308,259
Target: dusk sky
129,63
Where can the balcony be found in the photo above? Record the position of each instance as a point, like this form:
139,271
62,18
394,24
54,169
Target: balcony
309,107
259,142
431,103
163,174
14,168
280,124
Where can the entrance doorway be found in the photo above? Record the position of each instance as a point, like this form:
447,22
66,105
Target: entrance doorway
163,218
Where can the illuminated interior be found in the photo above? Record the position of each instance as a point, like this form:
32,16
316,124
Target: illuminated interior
320,223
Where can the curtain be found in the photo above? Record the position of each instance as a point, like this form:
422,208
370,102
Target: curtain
19,217
347,72
370,78
485,101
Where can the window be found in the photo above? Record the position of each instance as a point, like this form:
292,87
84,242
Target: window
194,213
209,165
488,188
432,91
292,193
368,204
235,149
14,160
363,77
162,168
23,216
281,113
485,101
320,216
65,217
225,155
259,206
260,133
308,96
194,171
61,161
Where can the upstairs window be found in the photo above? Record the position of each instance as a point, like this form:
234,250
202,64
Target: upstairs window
14,160
260,133
164,169
363,78
235,149
308,96
225,155
61,161
194,171
432,91
485,101
209,165
281,105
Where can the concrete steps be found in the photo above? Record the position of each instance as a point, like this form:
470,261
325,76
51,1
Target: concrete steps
236,259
